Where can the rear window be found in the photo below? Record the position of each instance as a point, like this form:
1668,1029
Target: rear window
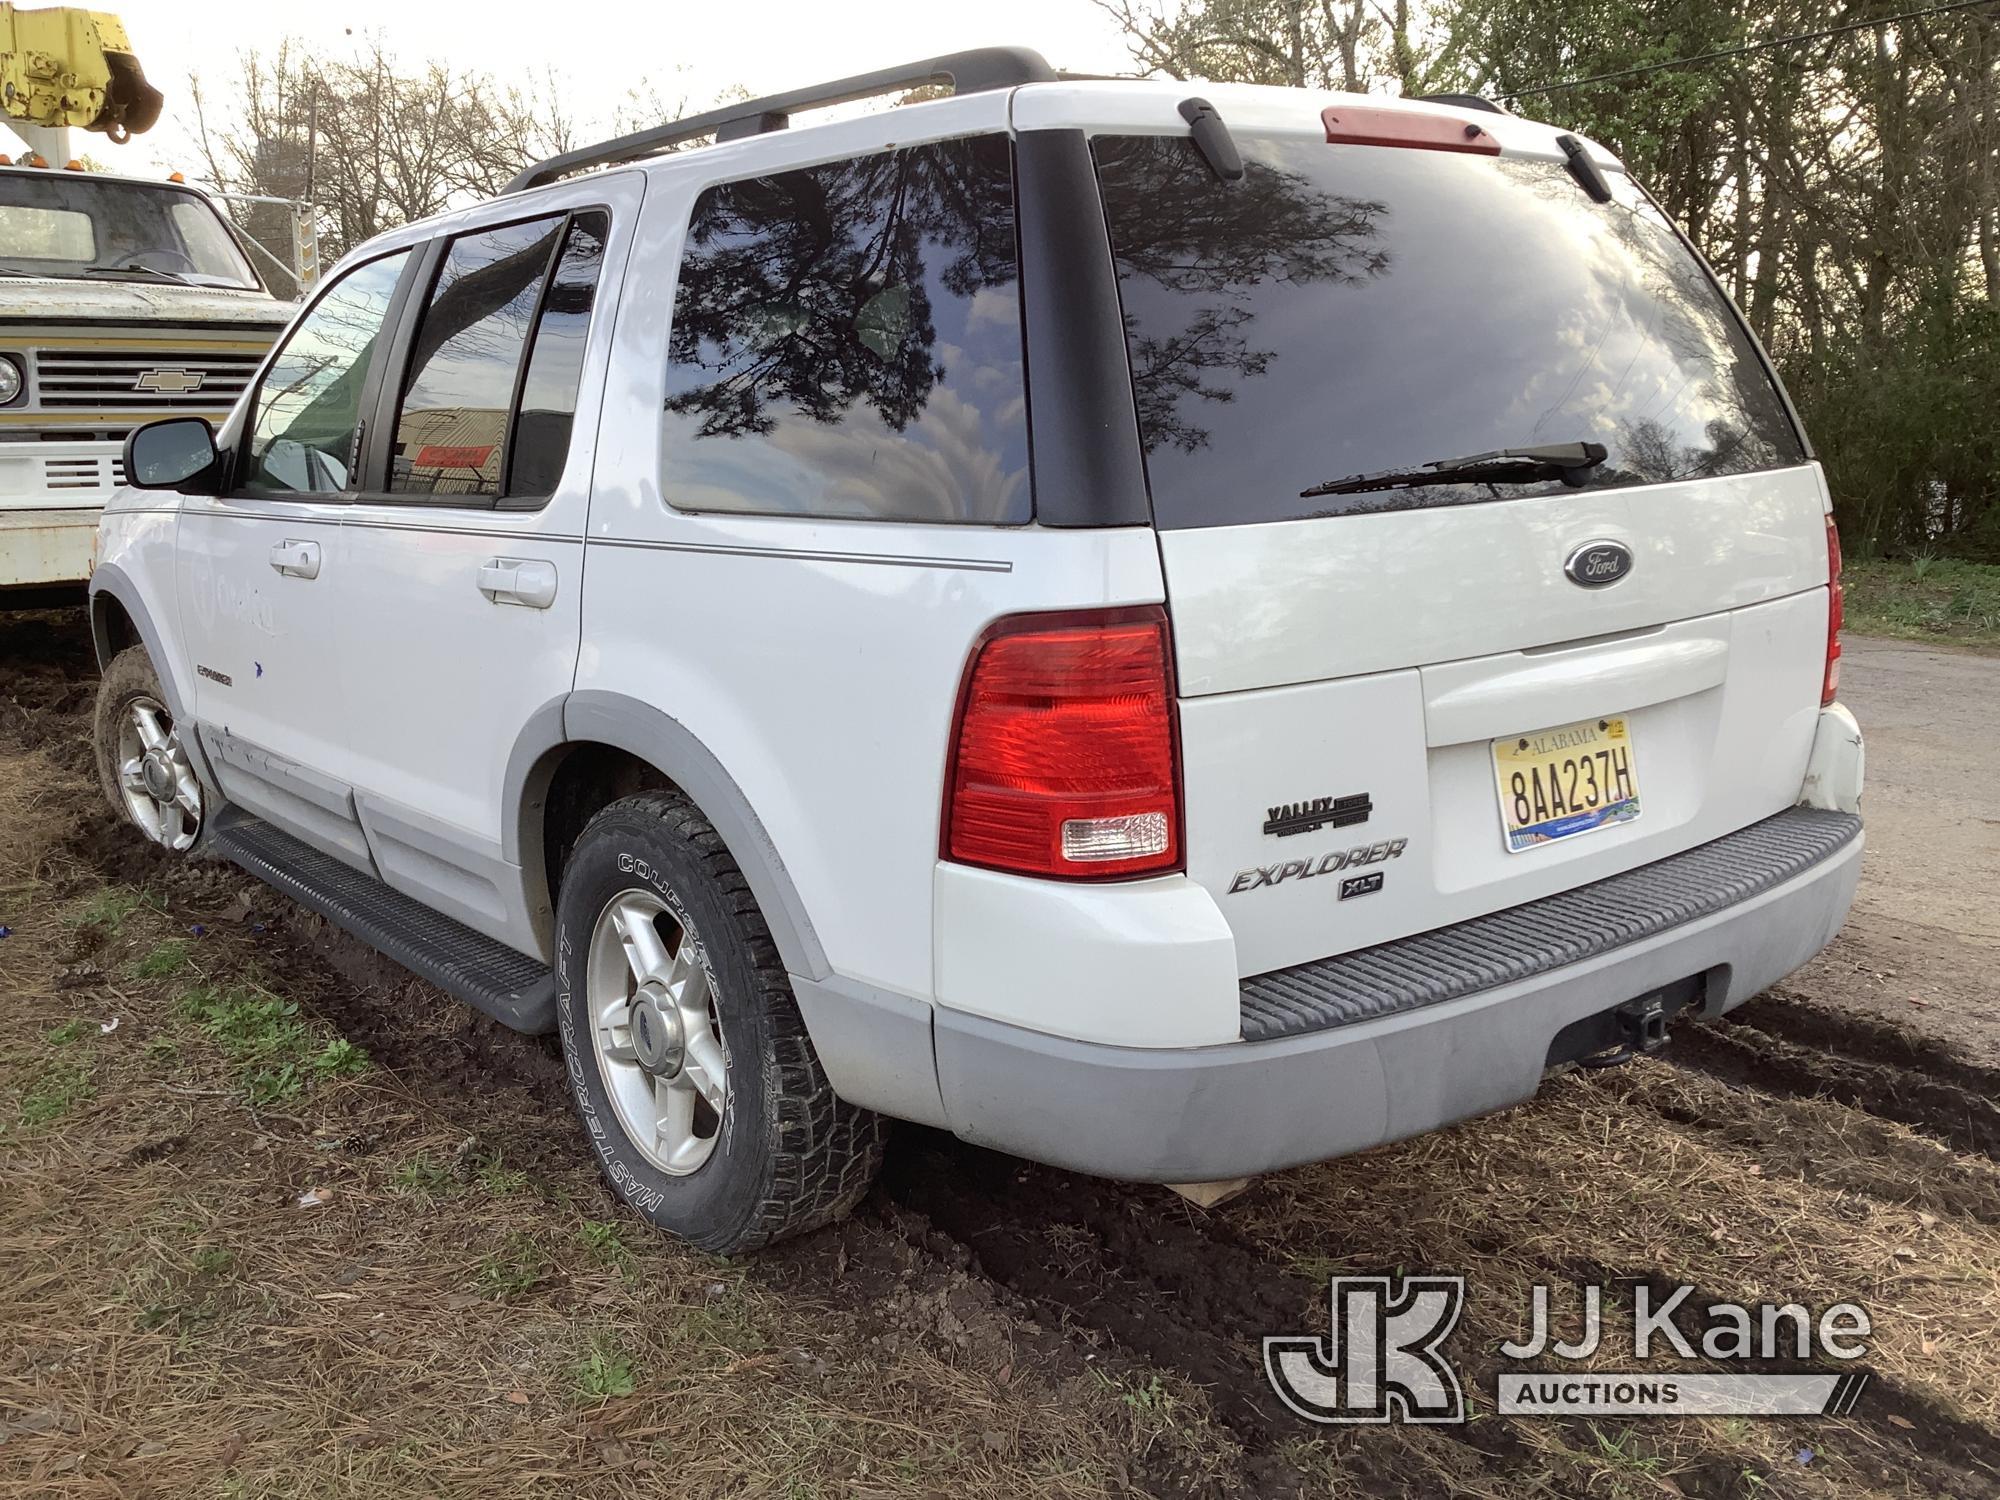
1354,310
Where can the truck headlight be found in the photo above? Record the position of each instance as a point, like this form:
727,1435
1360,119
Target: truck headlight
10,380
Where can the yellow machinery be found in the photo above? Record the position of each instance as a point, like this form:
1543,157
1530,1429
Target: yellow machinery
63,69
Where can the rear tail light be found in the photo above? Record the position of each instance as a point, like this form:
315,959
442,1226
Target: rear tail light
1064,758
1830,684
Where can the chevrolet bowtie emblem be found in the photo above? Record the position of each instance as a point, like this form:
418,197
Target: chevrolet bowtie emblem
170,382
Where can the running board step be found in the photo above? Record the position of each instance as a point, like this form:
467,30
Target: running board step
510,987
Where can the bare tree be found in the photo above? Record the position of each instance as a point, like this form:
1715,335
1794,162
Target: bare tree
372,143
1340,44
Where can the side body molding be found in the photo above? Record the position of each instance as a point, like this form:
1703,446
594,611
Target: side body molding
664,742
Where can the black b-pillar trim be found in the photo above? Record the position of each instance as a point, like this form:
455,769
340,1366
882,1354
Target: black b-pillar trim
1083,427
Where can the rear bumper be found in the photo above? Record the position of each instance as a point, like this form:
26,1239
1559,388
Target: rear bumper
39,547
1198,1114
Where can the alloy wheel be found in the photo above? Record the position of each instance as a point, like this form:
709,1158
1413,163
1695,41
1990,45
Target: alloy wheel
654,1028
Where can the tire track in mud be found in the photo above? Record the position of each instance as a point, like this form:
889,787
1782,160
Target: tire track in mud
1131,1263
1945,1449
1777,1045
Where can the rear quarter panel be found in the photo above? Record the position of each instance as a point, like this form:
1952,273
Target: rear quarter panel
818,661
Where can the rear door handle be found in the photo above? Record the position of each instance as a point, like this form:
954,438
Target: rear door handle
296,559
530,583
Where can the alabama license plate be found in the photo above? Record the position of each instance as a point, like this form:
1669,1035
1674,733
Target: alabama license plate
1557,783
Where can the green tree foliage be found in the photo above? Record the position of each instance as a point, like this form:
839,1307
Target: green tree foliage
1846,190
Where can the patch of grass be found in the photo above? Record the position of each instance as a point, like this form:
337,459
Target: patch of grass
58,1088
274,1085
499,1179
184,1298
1622,1451
513,1270
1154,1406
251,1025
603,1374
73,1030
165,960
424,1176
604,1242
1318,1267
109,908
276,1054
339,1058
1925,599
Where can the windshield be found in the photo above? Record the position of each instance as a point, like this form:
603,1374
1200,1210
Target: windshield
71,224
1349,310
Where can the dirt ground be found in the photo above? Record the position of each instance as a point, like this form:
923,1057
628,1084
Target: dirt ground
278,1220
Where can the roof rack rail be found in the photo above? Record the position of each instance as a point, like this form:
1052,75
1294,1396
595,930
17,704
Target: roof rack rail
970,72
1461,101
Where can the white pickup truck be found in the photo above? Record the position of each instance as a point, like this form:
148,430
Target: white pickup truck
122,300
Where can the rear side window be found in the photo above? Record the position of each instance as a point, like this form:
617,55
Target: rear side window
506,319
847,343
1348,311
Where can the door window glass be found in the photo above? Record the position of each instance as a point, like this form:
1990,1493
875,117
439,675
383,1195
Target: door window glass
451,432
555,364
304,433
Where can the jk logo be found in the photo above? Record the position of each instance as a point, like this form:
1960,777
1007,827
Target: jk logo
1380,1361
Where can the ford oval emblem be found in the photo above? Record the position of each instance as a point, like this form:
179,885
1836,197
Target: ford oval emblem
1597,565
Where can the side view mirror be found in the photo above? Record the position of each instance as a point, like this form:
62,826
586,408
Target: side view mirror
172,454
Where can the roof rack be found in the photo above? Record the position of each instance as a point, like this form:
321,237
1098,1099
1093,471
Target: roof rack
970,72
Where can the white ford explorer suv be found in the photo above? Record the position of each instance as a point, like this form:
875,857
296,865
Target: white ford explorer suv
1169,636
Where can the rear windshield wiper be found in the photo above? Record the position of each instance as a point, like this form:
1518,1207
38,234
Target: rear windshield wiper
1569,462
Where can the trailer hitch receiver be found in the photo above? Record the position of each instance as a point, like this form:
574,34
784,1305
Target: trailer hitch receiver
1642,1027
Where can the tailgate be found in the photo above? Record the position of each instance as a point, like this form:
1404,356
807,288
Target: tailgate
1343,730
1464,471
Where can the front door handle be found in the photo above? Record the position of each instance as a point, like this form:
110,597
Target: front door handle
530,583
296,559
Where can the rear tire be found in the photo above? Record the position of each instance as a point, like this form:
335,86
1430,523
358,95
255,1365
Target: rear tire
142,763
688,1060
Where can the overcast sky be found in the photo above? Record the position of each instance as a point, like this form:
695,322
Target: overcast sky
767,46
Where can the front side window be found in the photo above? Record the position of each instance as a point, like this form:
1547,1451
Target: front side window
71,224
307,423
1350,312
847,343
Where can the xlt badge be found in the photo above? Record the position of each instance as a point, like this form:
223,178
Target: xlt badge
1321,812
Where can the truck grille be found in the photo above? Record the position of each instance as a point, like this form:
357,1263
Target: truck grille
108,379
105,473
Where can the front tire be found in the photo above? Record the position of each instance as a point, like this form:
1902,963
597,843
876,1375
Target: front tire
688,1060
142,761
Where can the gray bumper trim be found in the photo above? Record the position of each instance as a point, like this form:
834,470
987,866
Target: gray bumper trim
1198,1114
1506,947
